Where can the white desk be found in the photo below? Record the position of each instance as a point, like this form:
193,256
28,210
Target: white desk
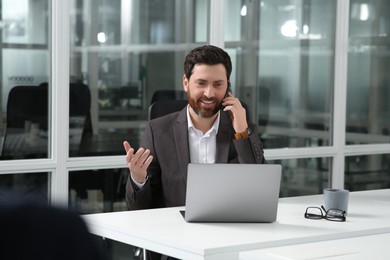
354,248
165,231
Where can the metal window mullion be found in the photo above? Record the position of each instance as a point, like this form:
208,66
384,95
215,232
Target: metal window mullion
216,29
59,88
340,91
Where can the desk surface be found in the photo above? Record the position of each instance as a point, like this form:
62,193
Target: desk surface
354,248
165,231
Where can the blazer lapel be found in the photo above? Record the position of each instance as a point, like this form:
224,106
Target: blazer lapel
181,141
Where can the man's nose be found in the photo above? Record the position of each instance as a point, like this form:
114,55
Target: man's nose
209,91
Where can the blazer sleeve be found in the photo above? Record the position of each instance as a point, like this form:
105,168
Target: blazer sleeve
150,195
250,150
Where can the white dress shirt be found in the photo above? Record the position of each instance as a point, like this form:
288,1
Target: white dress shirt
203,147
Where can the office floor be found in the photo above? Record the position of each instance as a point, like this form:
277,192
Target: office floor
113,250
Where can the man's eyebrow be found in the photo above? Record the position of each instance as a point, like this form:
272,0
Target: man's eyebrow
200,80
203,80
219,81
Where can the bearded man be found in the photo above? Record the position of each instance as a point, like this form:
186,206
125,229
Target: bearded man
212,128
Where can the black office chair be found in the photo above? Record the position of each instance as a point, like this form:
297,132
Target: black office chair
30,104
166,101
80,107
164,107
168,94
26,106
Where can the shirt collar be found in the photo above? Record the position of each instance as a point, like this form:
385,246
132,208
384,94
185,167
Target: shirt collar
214,127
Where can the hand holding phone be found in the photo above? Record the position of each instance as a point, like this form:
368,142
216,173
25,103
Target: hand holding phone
236,111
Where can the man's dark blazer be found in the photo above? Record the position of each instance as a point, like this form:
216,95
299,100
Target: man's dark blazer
167,139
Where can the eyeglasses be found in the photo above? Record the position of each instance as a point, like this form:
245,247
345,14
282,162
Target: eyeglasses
331,214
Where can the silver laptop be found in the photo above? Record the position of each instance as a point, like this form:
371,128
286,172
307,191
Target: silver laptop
232,192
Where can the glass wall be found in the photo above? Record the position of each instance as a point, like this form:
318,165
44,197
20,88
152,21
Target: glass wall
26,186
368,106
304,176
368,172
96,191
24,97
284,53
368,92
283,60
122,52
24,66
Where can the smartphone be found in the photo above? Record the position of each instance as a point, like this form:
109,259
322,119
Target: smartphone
229,89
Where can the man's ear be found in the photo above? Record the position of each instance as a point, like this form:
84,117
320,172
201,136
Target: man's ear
185,83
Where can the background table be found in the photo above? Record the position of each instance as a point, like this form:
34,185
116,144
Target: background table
165,231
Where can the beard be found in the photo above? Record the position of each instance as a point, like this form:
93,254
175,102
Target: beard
201,111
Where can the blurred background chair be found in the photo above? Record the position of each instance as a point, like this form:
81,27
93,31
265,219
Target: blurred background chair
26,134
166,101
168,94
164,107
26,117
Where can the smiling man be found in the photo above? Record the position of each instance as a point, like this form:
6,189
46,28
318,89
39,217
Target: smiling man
213,128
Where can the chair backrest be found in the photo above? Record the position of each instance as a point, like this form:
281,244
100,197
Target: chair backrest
164,107
27,103
30,104
168,94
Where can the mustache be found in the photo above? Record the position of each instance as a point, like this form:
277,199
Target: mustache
208,99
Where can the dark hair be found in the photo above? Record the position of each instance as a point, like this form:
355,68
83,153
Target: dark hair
207,54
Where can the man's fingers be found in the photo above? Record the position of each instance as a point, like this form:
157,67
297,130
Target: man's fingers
127,146
144,156
139,158
147,162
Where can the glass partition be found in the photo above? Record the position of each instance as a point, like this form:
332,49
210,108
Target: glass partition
368,89
96,191
367,172
304,176
122,52
26,186
24,66
283,53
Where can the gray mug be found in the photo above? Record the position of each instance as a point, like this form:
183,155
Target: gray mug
336,199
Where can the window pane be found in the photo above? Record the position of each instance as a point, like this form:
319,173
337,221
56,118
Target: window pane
368,92
25,65
94,191
24,21
122,56
29,185
367,172
304,176
283,53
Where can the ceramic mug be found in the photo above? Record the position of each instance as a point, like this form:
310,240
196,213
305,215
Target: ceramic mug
336,199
